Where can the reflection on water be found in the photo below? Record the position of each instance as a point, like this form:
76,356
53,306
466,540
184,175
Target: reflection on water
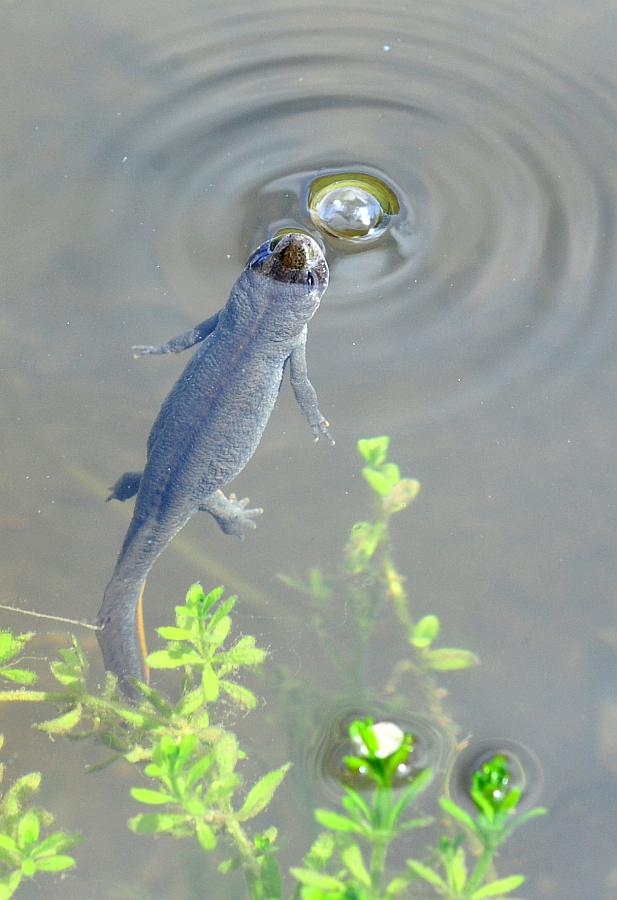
145,149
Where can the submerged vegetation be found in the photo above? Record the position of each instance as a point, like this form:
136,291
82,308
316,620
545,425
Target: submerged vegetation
189,761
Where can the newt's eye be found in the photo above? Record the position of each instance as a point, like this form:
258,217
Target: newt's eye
310,280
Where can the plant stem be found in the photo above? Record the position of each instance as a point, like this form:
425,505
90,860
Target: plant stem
31,696
378,862
480,869
250,865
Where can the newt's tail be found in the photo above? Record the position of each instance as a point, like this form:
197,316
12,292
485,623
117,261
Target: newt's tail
121,634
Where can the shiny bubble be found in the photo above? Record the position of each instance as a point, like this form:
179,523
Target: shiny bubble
352,206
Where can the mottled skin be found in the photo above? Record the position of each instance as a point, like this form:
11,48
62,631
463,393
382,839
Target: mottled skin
210,425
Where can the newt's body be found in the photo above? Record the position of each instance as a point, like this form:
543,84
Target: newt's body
210,425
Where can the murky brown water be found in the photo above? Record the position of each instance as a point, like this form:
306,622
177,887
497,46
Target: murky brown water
144,150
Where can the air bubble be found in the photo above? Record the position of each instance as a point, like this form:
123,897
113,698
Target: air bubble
352,206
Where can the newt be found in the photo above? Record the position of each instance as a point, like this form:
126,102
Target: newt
210,425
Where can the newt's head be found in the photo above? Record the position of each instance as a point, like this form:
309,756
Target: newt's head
295,263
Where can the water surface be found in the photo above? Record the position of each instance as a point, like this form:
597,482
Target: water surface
145,150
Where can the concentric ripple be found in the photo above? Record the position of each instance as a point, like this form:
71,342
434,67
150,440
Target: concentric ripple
326,755
501,153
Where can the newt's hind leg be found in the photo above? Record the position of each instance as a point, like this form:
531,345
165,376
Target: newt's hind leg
231,514
125,487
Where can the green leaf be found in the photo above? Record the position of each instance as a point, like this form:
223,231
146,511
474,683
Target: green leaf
499,888
374,450
409,794
520,819
56,843
156,699
55,864
191,702
382,480
28,829
19,676
427,874
261,793
317,879
222,611
270,876
446,658
352,857
424,632
226,753
456,868
245,653
173,659
171,633
65,674
28,867
186,748
364,539
152,823
198,770
9,885
321,850
20,790
355,804
145,795
210,683
195,594
12,644
457,813
9,848
62,724
336,822
218,634
205,835
402,494
420,822
397,886
241,695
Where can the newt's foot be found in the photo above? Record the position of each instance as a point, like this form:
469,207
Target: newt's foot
320,428
231,514
146,350
125,487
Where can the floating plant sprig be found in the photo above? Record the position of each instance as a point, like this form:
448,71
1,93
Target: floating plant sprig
27,847
192,762
369,582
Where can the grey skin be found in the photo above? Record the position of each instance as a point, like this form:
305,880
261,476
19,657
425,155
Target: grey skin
211,424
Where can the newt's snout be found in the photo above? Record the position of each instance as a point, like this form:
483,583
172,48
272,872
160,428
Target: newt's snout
294,256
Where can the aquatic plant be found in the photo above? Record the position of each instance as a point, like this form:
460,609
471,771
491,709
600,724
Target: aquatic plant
26,846
190,766
356,843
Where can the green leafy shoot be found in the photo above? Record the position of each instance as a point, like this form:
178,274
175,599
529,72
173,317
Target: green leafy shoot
359,836
496,817
194,796
198,644
27,848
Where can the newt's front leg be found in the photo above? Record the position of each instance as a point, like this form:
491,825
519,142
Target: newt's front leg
182,341
306,394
